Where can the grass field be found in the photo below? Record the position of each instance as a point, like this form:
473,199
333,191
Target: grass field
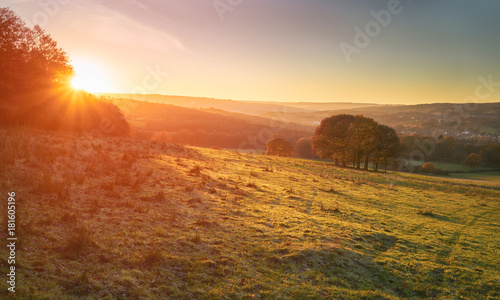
453,167
122,219
493,177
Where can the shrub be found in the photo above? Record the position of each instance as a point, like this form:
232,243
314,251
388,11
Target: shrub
303,148
428,167
473,160
279,147
162,137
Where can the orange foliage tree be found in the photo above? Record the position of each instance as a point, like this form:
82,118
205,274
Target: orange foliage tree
35,76
279,147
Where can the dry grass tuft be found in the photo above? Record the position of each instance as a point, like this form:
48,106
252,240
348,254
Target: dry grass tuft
152,257
79,239
329,208
426,211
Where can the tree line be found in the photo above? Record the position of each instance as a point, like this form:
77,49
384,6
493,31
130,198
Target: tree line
35,84
345,139
454,150
351,140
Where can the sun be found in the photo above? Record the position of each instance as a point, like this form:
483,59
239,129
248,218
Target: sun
90,77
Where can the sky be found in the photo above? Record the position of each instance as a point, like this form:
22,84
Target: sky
370,51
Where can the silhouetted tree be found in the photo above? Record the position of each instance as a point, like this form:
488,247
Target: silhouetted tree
279,147
332,139
29,59
473,160
387,145
445,147
35,76
362,139
303,148
344,137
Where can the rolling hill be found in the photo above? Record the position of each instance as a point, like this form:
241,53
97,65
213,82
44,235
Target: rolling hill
427,119
460,120
120,218
208,127
245,107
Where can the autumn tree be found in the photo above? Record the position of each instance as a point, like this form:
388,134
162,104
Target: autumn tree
346,138
30,59
332,139
473,160
279,147
303,148
387,145
35,76
362,139
428,167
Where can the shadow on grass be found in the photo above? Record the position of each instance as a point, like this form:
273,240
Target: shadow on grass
344,269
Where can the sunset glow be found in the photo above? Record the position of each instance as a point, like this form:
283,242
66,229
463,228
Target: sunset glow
310,51
240,149
90,77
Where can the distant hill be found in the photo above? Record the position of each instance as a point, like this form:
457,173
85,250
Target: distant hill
444,118
459,120
208,127
246,107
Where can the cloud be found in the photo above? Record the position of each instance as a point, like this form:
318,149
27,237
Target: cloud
113,26
139,3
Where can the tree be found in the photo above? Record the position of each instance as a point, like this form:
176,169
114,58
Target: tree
12,31
30,59
332,140
428,167
279,147
445,147
347,137
303,148
35,76
387,145
362,135
473,160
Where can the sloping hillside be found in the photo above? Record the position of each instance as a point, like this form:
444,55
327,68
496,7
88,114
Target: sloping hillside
465,121
446,118
246,107
118,218
208,127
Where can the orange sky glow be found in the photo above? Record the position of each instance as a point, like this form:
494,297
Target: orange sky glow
316,51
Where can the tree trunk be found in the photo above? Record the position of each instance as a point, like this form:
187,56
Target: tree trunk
376,165
366,160
385,165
